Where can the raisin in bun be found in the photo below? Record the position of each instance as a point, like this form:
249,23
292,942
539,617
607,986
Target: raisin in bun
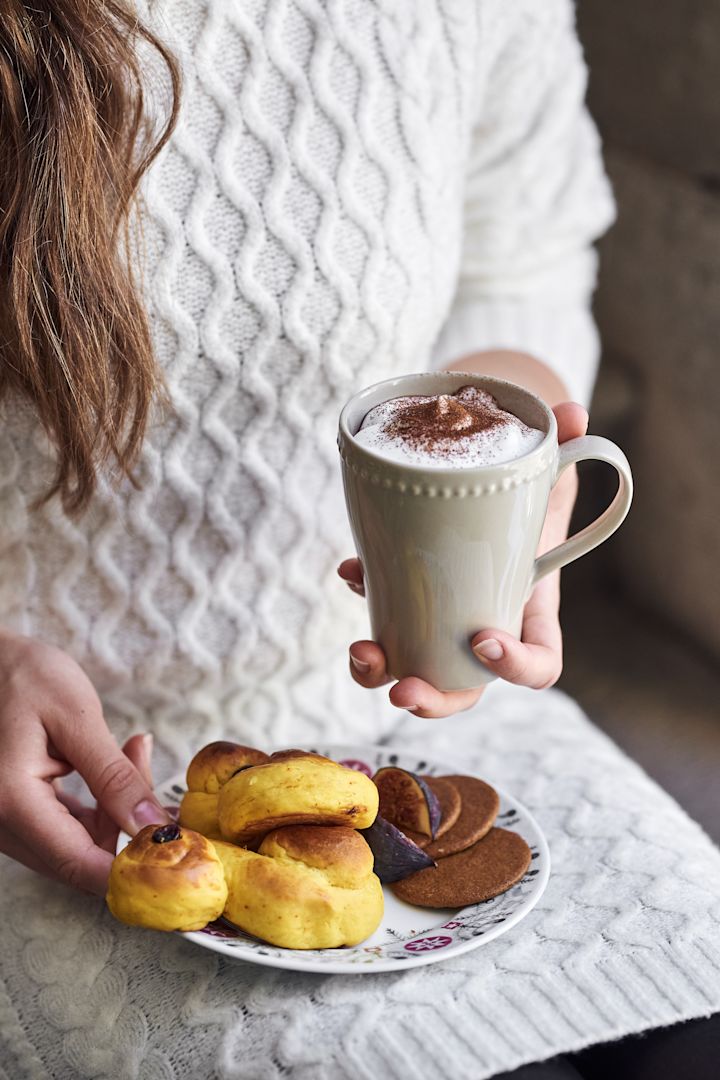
167,878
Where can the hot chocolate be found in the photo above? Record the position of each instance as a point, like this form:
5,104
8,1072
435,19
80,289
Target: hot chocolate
460,430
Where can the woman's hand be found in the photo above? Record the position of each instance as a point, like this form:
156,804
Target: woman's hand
536,660
51,723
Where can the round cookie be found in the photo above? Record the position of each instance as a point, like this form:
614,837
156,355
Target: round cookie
488,868
480,805
450,802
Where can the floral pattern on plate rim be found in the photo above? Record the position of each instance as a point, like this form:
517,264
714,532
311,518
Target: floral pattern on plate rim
469,924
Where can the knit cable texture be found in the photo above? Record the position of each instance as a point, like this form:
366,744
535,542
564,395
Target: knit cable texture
340,172
304,237
626,938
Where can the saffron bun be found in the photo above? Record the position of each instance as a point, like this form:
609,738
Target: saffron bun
167,878
199,811
212,767
294,788
217,762
307,887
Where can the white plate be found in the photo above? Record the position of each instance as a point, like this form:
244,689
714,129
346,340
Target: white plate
408,936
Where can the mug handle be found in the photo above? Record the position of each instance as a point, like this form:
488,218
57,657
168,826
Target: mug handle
595,448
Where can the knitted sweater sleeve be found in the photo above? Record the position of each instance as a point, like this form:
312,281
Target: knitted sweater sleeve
536,197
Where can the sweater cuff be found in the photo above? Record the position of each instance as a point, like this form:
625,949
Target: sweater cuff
563,337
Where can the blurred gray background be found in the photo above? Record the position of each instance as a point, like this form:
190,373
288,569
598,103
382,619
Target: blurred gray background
642,614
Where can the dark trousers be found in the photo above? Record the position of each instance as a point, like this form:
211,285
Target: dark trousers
689,1051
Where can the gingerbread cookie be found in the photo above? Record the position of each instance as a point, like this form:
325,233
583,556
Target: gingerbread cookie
450,802
479,808
488,868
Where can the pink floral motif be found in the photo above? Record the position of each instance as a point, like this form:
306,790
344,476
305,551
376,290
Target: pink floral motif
452,925
358,766
425,944
216,929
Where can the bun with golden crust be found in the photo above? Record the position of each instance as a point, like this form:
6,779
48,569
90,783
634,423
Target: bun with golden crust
288,755
342,855
212,767
217,762
167,878
307,887
294,788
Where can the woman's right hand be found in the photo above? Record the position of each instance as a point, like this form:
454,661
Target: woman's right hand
51,723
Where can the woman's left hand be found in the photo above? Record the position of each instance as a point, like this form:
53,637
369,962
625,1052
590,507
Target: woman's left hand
534,661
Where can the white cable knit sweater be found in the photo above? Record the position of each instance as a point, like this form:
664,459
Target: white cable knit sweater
356,188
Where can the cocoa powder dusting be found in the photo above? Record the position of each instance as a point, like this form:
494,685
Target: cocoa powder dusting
437,423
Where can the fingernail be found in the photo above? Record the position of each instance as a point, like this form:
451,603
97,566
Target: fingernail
148,742
360,665
148,812
358,589
489,650
411,708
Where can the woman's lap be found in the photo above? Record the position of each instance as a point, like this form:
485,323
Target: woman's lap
630,897
689,1050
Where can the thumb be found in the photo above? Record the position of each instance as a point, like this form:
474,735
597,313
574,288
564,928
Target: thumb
120,784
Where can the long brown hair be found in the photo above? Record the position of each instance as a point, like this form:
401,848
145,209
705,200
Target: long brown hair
75,141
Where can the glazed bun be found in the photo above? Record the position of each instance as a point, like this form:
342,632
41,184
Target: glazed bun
167,878
217,762
294,788
212,767
308,887
199,811
288,755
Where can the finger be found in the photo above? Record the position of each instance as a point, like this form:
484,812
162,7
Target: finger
56,767
572,420
422,699
53,837
102,828
117,784
138,749
94,820
74,805
535,662
352,574
14,848
367,664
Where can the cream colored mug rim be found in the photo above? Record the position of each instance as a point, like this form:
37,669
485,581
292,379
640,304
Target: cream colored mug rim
484,381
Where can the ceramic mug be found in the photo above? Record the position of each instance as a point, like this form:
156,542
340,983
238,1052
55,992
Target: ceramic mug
449,552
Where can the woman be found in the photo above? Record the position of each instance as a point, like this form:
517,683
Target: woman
344,190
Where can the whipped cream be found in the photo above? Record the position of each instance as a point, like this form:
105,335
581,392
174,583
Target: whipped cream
455,431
